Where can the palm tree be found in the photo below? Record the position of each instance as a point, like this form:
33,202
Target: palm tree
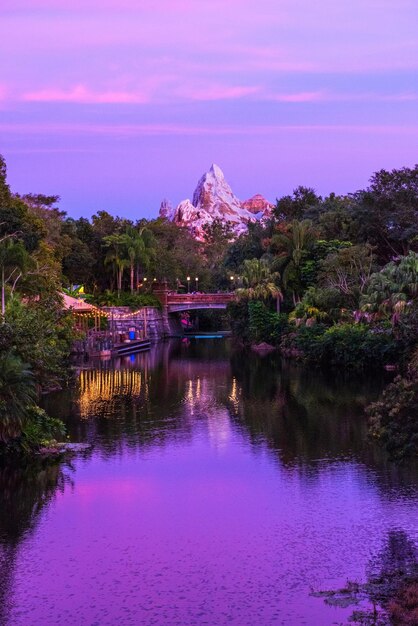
117,255
17,394
390,291
259,282
291,247
140,247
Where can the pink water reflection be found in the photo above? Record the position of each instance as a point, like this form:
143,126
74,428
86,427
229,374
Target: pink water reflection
201,526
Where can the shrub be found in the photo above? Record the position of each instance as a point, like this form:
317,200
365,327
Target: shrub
264,324
327,299
17,393
41,429
352,346
239,320
393,419
253,322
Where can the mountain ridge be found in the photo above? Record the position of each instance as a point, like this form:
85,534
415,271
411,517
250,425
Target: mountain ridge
214,199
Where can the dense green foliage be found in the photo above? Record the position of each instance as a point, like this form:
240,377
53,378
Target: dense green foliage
17,394
354,346
40,429
133,300
40,333
265,325
346,268
393,418
329,280
35,332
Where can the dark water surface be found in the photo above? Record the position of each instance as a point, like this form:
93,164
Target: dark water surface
220,489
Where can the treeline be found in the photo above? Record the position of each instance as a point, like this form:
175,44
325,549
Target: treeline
334,282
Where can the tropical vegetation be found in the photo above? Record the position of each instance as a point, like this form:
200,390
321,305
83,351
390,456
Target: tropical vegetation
331,281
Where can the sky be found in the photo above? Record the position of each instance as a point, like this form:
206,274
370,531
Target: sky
117,104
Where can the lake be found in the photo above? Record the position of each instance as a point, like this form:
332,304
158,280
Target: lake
220,488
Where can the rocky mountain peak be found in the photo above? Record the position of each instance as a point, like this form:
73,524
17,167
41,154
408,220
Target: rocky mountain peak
166,209
216,171
213,193
213,199
258,205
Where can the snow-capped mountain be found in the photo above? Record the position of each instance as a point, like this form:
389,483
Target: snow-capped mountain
213,199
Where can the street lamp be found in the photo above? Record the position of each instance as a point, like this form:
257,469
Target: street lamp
188,284
197,283
232,282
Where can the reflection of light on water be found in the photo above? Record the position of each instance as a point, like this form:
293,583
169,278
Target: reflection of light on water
234,395
190,396
200,397
197,395
98,386
219,428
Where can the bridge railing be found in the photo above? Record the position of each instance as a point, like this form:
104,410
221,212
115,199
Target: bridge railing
199,298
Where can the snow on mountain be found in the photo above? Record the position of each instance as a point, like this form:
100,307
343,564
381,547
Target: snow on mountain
213,199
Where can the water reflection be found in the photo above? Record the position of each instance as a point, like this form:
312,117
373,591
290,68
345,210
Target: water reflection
305,417
25,492
220,488
100,390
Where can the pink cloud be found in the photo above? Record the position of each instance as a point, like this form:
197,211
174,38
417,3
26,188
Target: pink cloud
219,92
63,6
304,96
159,88
82,95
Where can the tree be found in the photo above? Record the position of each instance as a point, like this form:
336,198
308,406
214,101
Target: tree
216,237
391,290
140,244
117,255
259,282
348,270
303,204
13,261
40,333
17,394
177,253
78,264
335,219
386,213
291,246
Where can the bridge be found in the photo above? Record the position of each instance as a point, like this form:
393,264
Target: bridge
176,302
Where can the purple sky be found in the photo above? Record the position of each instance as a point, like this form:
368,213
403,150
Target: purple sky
116,104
